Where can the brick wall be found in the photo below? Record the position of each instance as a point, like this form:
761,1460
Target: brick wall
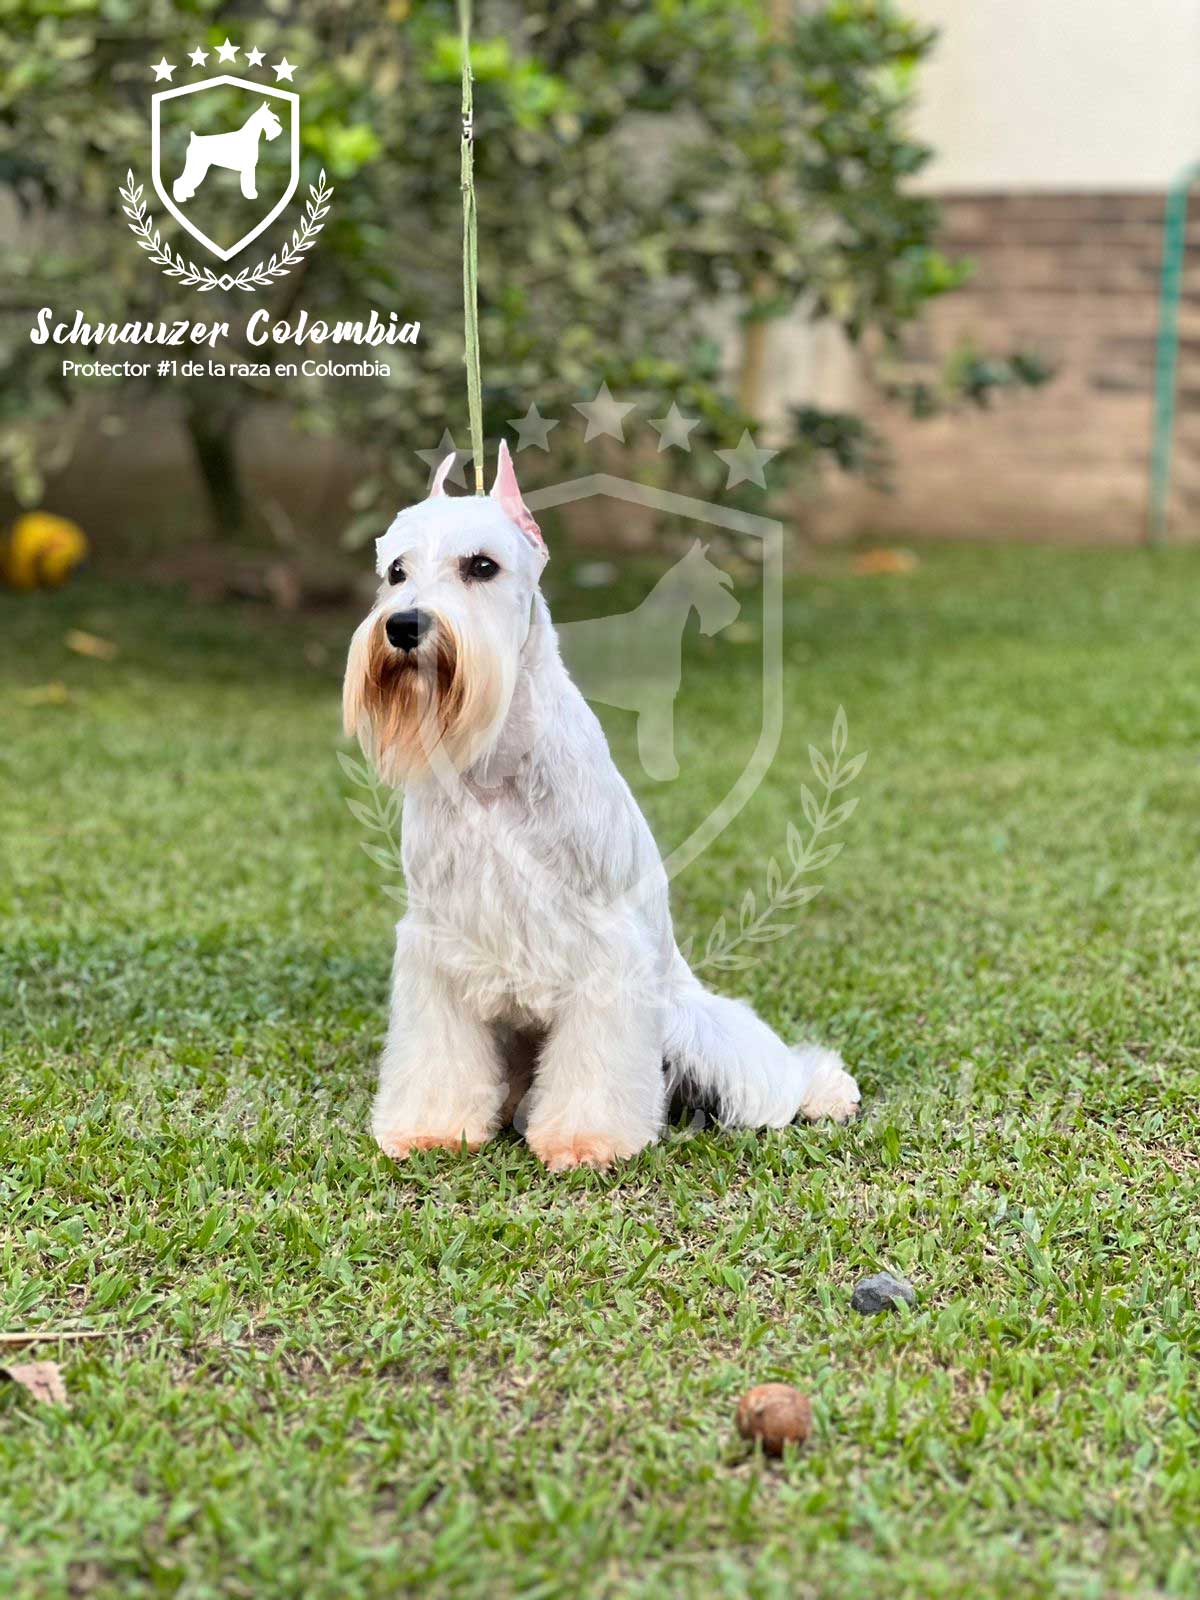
1074,278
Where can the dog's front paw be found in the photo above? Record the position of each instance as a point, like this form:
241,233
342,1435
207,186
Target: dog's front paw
829,1090
561,1152
398,1145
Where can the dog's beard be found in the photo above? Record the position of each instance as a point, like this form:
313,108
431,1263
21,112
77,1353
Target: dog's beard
444,702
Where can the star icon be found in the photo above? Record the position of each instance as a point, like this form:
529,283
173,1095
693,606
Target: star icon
254,58
198,57
604,415
444,447
746,462
227,51
164,69
673,429
532,428
283,69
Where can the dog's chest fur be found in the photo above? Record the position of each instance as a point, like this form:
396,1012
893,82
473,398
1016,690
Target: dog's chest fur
514,874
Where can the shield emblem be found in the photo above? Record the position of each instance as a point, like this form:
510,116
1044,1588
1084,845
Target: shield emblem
225,158
702,516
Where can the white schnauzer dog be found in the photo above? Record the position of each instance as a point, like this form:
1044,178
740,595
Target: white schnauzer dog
535,965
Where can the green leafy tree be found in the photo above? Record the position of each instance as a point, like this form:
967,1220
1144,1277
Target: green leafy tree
637,164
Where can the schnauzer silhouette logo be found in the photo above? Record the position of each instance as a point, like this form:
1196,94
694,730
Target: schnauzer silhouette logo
634,660
237,151
202,131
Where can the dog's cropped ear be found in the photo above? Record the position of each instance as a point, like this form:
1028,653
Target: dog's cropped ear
438,486
508,493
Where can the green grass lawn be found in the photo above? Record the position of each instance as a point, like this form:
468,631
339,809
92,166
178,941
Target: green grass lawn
325,1375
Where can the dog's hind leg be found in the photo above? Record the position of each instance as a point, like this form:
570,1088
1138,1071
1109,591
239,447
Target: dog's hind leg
719,1051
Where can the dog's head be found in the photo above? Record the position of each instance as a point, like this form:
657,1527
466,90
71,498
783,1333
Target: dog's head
433,665
272,127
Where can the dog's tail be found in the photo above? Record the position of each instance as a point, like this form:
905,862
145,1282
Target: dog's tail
719,1053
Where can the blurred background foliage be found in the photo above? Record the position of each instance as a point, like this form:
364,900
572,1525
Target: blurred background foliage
659,182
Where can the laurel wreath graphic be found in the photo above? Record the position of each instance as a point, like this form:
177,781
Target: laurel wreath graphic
260,276
724,950
379,815
726,947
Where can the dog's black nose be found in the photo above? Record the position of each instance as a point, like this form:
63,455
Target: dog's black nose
406,629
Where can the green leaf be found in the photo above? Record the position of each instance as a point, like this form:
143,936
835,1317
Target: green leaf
796,846
357,771
810,806
366,816
383,856
850,771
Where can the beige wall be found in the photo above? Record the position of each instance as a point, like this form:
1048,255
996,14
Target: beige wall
1059,126
1060,94
1074,278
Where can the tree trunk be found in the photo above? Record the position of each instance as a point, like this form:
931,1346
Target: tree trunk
752,376
211,428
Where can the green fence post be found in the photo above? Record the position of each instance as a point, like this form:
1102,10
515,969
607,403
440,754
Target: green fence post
1167,354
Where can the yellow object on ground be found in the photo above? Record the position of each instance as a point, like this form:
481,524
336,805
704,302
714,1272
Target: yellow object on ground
54,693
42,551
90,644
873,562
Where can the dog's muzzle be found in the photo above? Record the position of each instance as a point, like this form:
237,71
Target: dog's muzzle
406,629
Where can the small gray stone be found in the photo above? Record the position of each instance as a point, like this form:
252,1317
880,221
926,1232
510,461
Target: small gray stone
881,1293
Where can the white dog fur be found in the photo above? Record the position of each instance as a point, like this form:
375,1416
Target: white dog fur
536,961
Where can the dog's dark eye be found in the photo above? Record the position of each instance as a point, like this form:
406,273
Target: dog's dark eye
480,568
396,572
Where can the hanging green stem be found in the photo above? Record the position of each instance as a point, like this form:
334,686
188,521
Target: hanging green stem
470,251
